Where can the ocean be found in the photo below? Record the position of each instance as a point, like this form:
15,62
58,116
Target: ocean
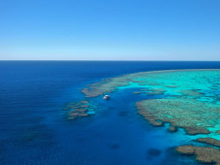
34,128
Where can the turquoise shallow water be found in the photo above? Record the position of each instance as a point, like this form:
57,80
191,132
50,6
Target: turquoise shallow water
193,96
34,129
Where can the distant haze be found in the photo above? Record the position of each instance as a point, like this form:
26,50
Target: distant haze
173,30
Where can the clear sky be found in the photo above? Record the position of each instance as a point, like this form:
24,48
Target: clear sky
110,30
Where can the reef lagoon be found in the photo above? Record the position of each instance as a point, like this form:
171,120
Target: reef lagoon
159,113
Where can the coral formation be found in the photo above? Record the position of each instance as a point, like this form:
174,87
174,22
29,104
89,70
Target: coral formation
173,129
186,113
156,91
137,92
203,154
209,141
171,80
79,109
189,93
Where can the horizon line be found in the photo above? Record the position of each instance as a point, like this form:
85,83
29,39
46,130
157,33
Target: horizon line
117,60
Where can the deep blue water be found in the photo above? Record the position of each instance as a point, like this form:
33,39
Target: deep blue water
34,129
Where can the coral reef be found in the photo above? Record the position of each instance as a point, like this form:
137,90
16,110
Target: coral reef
170,80
79,109
156,91
137,92
189,93
186,113
218,131
209,141
187,150
191,101
196,130
203,154
172,129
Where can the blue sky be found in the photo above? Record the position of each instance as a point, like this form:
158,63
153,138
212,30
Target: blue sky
110,30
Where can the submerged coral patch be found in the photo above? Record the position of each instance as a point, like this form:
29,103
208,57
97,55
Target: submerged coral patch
173,129
154,152
137,92
156,91
209,141
79,109
203,154
189,93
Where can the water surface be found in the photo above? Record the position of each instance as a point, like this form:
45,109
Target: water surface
34,129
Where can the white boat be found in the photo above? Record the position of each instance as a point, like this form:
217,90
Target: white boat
106,97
